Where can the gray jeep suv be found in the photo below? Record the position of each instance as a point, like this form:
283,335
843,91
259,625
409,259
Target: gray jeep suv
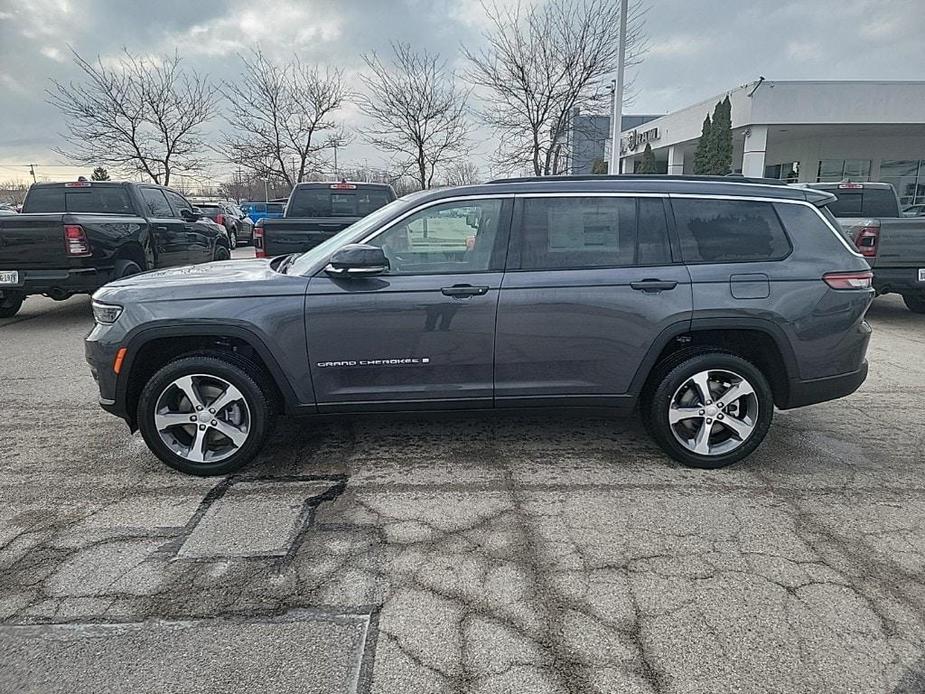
703,302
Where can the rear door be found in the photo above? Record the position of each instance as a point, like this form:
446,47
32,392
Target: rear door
422,334
170,242
199,236
590,285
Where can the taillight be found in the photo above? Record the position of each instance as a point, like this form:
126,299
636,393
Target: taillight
75,240
259,250
219,219
849,280
866,240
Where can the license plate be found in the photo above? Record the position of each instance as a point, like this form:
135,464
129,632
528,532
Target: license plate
922,274
12,277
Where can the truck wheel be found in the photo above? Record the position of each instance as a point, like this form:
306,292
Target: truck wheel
710,410
915,302
10,305
203,415
125,268
221,253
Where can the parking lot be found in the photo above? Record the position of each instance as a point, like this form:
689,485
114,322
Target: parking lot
485,554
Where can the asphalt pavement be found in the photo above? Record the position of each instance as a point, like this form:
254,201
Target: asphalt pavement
541,554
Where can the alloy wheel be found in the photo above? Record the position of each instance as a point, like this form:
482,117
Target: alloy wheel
713,412
202,418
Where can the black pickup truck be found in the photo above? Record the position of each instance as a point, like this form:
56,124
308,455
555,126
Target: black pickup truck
73,238
317,211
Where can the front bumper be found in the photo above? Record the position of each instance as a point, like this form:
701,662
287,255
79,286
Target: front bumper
817,390
63,282
100,355
899,280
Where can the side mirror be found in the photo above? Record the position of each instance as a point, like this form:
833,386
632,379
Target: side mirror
191,215
357,259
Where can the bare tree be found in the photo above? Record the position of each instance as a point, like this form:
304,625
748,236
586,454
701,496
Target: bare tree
138,115
417,110
278,113
461,173
541,63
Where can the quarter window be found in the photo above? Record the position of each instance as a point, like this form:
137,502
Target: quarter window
448,238
729,231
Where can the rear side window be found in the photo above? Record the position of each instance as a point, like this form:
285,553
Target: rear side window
156,202
729,231
801,221
864,202
93,199
324,202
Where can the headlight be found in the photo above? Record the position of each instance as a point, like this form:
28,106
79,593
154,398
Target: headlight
106,313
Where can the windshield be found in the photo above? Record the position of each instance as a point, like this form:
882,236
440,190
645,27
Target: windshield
351,234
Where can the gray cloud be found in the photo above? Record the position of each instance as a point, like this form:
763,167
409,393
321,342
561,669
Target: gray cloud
697,48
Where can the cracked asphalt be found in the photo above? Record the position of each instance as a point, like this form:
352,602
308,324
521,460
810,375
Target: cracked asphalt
475,554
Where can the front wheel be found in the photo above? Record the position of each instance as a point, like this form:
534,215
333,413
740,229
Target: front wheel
10,305
232,238
203,415
915,302
711,410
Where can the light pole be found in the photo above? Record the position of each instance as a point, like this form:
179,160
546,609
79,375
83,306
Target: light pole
616,115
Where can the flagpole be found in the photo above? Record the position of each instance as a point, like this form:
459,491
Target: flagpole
616,115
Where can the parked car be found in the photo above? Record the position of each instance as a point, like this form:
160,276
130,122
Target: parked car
914,210
894,245
256,211
74,237
238,227
317,211
702,302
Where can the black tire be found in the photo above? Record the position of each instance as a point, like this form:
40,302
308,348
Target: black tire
678,370
221,252
125,268
236,374
915,302
10,305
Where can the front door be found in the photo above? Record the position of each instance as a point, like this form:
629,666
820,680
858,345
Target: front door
197,237
421,334
590,285
168,232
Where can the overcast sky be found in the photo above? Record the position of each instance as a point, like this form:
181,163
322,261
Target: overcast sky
697,48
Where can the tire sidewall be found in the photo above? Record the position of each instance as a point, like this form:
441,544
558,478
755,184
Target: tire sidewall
10,305
253,395
221,253
675,378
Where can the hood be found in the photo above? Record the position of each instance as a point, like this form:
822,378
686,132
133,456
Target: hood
229,278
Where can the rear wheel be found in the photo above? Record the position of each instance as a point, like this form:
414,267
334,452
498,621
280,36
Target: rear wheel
203,415
125,268
221,253
710,410
10,305
915,302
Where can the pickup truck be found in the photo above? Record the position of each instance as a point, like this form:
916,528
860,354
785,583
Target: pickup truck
870,216
317,211
72,238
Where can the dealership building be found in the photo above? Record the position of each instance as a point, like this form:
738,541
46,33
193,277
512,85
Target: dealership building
802,131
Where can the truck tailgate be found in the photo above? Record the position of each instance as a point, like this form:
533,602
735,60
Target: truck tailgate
32,241
284,236
901,243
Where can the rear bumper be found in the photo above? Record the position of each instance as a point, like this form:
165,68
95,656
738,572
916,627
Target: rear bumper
903,279
817,390
62,282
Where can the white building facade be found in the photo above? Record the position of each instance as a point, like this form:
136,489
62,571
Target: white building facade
804,131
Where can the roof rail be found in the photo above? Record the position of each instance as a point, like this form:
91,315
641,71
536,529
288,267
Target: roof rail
728,178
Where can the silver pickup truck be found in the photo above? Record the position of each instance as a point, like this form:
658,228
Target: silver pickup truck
869,215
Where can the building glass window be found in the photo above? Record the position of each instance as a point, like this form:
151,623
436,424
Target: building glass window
907,177
788,171
835,170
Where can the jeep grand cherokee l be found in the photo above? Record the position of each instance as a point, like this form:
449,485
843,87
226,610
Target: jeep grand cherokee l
703,303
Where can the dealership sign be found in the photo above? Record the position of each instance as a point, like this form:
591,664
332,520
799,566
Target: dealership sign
638,139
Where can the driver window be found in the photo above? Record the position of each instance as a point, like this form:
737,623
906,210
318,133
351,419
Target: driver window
447,238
